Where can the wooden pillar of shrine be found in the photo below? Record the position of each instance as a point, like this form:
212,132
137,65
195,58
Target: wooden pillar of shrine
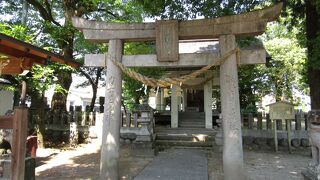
19,137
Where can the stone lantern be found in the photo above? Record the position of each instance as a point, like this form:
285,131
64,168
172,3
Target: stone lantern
144,121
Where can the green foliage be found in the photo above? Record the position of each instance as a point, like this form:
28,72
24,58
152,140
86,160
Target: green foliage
17,31
134,90
42,78
188,9
82,47
304,15
51,28
252,85
284,72
250,108
252,78
287,65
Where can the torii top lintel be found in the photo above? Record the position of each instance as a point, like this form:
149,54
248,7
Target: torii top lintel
246,24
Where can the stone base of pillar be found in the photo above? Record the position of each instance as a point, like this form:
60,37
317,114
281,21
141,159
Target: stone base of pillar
218,139
140,140
143,149
312,173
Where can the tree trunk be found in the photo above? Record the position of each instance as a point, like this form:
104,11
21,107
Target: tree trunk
94,86
278,90
41,128
59,100
94,97
38,105
313,30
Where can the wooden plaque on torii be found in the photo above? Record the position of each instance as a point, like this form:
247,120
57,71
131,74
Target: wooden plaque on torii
167,40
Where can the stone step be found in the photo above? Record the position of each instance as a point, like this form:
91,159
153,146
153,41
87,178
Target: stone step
192,125
191,117
191,120
185,137
191,112
176,137
165,143
188,131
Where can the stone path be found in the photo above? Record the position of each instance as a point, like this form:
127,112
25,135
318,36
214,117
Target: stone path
177,164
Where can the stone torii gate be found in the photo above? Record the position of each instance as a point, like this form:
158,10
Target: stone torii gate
167,35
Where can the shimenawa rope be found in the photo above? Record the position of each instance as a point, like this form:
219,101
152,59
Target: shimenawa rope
167,82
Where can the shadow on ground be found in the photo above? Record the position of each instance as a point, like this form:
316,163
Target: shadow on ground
84,163
263,163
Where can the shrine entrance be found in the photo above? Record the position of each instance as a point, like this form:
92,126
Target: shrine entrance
167,34
195,101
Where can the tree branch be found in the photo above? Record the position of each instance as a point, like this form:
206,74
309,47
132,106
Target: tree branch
43,12
108,12
99,71
87,76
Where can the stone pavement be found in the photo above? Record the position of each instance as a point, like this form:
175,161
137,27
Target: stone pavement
177,164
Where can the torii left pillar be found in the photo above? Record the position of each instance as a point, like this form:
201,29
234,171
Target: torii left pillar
109,162
230,110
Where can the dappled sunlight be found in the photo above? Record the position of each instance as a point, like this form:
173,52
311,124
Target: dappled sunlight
200,137
233,134
110,139
293,172
84,163
65,158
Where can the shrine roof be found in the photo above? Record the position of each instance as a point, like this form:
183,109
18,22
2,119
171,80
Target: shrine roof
21,55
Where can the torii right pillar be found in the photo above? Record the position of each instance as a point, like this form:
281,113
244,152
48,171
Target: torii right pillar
230,106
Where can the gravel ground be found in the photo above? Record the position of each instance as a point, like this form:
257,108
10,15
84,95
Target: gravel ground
265,164
83,163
